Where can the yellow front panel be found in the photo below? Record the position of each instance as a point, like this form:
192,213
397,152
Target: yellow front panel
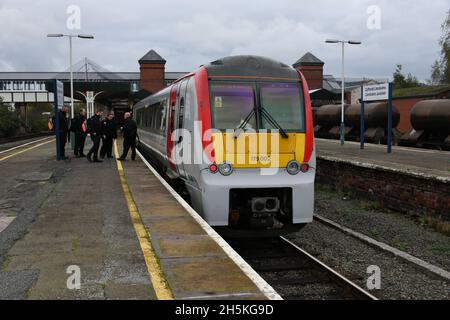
258,150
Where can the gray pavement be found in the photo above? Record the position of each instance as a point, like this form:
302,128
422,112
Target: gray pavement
428,162
67,213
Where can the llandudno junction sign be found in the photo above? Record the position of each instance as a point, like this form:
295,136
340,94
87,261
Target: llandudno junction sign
377,92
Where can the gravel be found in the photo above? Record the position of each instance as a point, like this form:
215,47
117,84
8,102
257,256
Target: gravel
352,257
390,227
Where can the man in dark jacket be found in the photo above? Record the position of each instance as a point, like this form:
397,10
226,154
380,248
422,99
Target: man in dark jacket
109,132
63,129
80,133
129,137
95,130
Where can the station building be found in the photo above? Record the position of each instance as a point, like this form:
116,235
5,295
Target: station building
119,91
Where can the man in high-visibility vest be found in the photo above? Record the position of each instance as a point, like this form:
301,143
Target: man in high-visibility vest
78,126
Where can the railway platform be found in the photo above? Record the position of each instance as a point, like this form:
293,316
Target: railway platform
415,161
409,180
112,230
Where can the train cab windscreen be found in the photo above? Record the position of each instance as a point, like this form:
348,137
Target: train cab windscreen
232,104
283,102
279,106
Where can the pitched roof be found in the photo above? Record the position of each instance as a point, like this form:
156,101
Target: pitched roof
152,57
308,59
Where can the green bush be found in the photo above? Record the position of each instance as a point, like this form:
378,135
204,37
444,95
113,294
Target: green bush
9,122
37,122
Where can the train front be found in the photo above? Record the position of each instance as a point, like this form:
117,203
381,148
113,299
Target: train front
261,176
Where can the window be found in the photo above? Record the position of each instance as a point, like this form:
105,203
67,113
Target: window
153,117
283,102
181,113
163,114
231,103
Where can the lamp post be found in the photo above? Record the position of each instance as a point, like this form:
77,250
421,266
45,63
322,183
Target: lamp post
70,36
343,42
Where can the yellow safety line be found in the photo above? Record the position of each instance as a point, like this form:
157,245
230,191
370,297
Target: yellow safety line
156,274
24,150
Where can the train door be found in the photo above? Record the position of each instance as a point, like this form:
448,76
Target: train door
171,125
179,136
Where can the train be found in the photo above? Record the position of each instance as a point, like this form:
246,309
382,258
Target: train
430,121
238,135
328,119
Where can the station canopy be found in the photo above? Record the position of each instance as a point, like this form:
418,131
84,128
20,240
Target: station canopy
90,76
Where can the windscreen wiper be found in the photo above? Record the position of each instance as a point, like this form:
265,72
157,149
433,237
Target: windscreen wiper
273,122
244,123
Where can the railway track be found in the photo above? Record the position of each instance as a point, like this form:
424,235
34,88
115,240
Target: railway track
24,137
294,273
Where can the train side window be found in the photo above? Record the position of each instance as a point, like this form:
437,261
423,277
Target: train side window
172,116
163,115
138,117
181,113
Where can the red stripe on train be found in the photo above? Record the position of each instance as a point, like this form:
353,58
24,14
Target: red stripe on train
204,109
309,141
170,127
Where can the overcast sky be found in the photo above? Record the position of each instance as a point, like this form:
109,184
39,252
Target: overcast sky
190,33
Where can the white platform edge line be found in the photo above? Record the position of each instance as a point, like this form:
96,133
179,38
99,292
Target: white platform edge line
26,144
405,256
383,147
261,284
249,294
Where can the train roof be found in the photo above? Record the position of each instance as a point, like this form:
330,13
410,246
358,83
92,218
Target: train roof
152,98
249,66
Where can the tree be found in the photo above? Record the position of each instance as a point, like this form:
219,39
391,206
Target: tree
9,121
436,74
402,81
445,49
440,71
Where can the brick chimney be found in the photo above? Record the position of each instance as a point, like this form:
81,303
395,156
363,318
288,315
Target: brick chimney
312,69
152,70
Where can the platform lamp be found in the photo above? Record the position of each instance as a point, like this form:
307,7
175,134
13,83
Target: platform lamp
343,42
70,36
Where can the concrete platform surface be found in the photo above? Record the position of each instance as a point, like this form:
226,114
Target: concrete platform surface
418,162
60,221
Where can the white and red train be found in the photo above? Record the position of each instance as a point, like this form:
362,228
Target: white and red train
238,133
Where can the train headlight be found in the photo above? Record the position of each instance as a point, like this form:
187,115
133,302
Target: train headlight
304,167
293,167
225,169
213,168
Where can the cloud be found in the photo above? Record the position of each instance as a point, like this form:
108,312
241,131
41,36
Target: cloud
190,33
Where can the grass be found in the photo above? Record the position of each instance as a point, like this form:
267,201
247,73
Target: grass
420,91
374,232
441,248
74,244
401,246
371,205
439,225
5,262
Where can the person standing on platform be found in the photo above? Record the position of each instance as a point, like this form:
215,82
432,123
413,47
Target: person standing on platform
109,131
95,130
79,128
129,130
63,129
